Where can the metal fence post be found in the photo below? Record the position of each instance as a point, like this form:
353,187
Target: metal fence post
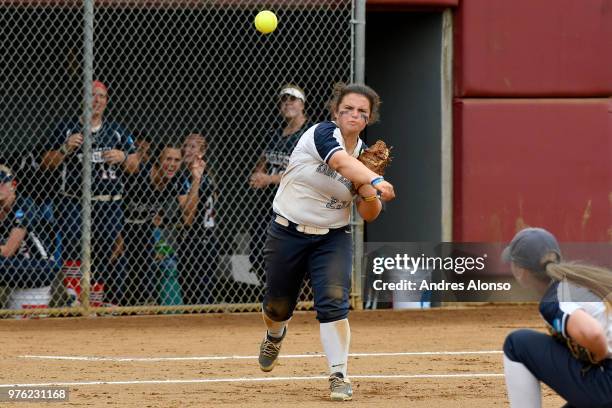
359,77
88,29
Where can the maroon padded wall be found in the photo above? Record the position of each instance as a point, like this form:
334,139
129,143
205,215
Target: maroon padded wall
521,162
543,48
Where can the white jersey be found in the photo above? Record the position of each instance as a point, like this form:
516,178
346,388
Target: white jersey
564,298
311,192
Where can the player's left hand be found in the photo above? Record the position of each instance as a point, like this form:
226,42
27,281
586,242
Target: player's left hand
387,193
260,179
113,156
197,168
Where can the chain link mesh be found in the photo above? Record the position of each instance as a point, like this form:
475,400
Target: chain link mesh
168,69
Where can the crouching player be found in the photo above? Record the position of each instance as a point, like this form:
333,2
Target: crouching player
576,359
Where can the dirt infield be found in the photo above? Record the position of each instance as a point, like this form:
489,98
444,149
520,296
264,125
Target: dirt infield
169,361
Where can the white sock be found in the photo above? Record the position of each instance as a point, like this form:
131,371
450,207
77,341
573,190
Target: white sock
336,337
523,388
275,329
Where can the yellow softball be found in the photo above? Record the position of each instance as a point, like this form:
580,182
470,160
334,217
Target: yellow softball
266,21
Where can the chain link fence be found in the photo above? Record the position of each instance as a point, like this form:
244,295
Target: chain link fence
185,108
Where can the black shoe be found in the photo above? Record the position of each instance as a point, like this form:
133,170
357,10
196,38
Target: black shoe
269,351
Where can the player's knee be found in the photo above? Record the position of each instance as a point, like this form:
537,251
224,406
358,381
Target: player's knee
515,344
278,309
328,316
333,305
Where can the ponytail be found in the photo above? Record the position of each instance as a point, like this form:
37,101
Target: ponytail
597,279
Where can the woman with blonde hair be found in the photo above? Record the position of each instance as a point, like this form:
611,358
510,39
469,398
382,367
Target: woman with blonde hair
576,359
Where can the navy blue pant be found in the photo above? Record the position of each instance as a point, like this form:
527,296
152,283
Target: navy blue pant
290,255
106,223
552,363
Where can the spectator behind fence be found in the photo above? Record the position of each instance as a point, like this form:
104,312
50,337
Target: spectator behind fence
153,188
271,165
36,187
112,149
34,182
26,266
199,247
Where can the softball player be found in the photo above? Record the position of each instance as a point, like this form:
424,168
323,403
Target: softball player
310,232
24,258
113,151
156,187
272,164
199,245
575,306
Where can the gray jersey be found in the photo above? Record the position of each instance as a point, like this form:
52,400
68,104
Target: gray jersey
311,192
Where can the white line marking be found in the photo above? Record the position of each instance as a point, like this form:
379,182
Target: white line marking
400,376
255,379
211,358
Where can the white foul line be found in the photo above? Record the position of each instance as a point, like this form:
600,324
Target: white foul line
211,358
247,379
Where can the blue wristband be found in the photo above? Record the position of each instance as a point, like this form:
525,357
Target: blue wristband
377,180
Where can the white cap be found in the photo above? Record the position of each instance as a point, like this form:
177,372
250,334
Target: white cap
293,92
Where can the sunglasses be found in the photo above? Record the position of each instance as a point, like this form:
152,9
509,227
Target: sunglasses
289,98
5,177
